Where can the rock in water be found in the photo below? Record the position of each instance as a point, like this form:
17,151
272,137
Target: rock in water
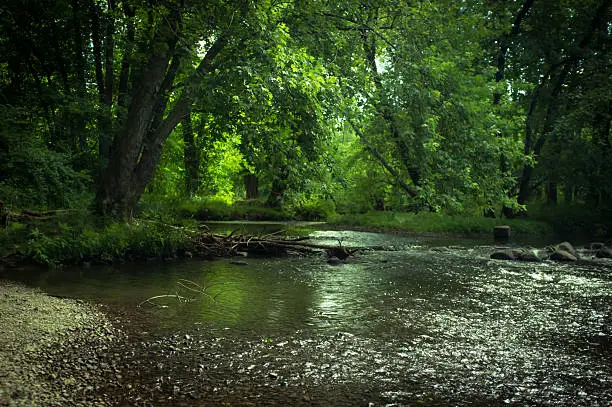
528,255
604,253
567,247
516,254
504,255
339,252
501,233
562,255
334,261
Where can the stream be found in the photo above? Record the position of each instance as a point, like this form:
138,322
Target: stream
410,321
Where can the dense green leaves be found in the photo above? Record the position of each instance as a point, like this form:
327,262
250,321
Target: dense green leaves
411,105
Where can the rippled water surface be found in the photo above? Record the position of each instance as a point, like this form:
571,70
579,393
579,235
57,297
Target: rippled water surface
410,322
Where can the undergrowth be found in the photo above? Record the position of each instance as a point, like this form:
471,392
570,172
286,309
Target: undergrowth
436,223
64,242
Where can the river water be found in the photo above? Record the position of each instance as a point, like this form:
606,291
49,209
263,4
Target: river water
410,321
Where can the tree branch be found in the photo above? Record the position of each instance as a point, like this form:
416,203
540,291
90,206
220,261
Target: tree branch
412,192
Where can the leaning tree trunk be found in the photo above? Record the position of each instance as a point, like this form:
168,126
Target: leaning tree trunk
121,184
138,145
384,107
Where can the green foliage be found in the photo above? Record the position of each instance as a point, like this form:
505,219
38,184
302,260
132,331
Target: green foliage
216,209
31,175
436,223
575,220
286,96
315,210
67,244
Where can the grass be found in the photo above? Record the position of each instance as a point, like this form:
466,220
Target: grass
436,223
218,209
65,241
163,231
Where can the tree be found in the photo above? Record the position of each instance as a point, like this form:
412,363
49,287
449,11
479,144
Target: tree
550,57
416,79
154,106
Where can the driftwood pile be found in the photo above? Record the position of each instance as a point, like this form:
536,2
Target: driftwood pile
271,245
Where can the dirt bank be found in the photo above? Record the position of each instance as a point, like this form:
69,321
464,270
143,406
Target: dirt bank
54,351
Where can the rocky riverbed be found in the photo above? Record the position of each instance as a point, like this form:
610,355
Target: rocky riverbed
54,351
409,325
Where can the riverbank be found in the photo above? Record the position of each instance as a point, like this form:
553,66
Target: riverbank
436,224
408,326
84,241
55,351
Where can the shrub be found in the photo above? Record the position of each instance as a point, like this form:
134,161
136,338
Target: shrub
316,210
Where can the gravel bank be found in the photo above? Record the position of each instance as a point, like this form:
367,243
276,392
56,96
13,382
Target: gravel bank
54,351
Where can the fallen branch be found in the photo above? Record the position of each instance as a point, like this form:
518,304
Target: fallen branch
271,245
185,284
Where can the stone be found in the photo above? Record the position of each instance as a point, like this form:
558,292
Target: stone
562,255
527,255
516,254
334,261
567,247
604,253
504,255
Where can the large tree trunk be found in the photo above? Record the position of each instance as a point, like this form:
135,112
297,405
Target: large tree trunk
499,76
525,188
251,184
565,65
121,187
551,193
138,145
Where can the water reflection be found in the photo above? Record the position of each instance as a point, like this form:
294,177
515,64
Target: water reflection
410,322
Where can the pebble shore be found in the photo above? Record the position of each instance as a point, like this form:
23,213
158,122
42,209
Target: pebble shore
54,351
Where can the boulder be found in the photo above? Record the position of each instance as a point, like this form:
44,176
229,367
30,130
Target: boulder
566,247
516,254
528,255
562,255
544,254
504,255
604,253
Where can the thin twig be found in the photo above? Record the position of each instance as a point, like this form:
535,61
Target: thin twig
180,298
